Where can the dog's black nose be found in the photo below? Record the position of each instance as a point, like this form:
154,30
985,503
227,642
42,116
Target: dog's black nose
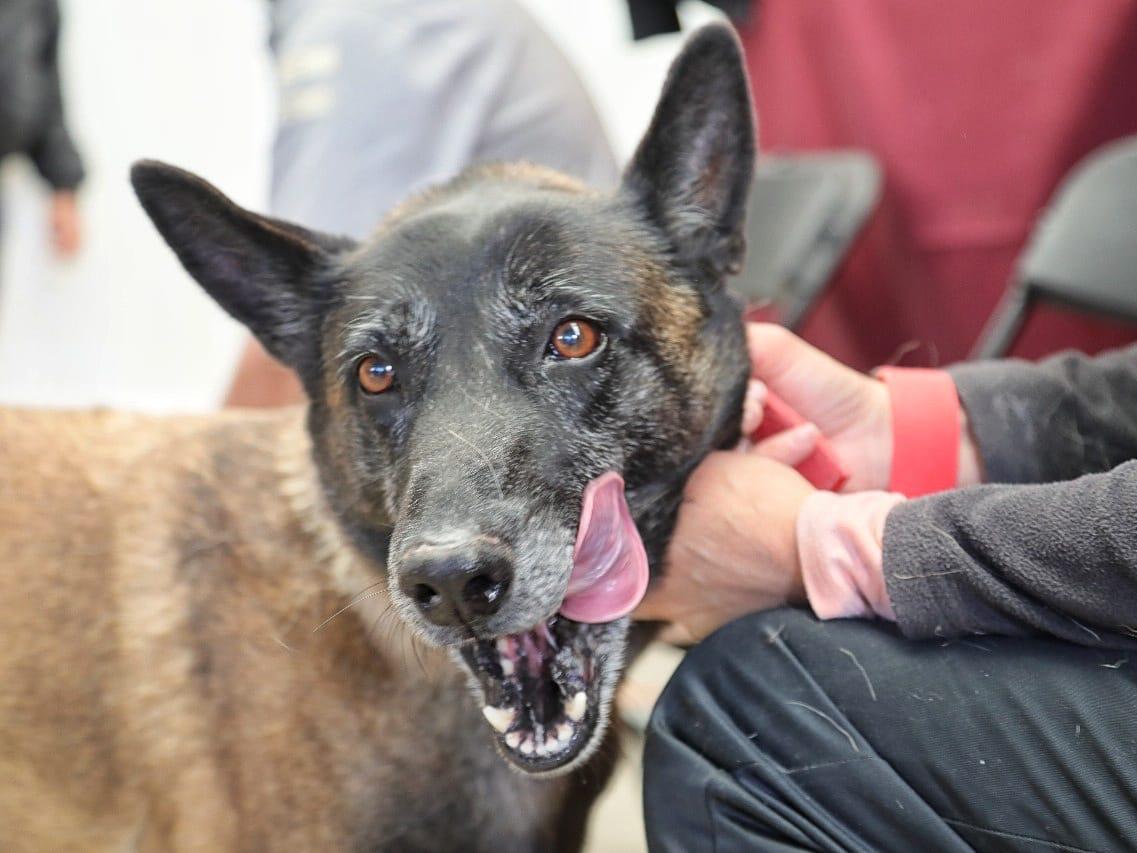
457,587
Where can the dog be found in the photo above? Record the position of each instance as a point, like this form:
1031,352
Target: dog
396,618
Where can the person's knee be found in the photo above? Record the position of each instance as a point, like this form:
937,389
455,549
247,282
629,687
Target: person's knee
744,652
715,716
751,679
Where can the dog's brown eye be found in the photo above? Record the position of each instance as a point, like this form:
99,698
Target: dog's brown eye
574,339
376,375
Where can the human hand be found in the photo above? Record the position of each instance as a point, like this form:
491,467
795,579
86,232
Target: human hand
850,409
65,224
734,548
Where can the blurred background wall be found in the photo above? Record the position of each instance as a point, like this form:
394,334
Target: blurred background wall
191,83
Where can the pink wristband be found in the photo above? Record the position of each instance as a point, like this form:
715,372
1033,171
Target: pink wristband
925,430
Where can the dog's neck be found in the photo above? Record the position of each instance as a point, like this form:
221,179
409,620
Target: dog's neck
359,587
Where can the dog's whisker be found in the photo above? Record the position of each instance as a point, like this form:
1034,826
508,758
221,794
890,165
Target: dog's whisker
381,629
348,606
418,656
370,586
489,464
480,403
389,626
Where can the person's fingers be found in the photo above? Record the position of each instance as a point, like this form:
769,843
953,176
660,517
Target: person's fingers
65,224
658,606
654,606
773,350
790,447
817,386
66,243
666,603
788,364
678,634
752,405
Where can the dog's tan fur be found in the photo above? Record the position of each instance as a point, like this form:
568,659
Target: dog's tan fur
165,686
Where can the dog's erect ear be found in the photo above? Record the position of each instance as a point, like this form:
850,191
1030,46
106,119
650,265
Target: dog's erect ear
268,274
693,169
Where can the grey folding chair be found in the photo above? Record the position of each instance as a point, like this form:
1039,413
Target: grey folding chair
1083,252
804,213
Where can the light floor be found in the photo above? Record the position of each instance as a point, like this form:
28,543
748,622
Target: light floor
616,824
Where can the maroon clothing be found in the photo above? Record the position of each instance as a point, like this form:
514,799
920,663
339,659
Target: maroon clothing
976,110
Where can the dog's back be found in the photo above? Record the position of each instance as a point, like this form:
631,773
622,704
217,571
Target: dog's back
56,626
112,543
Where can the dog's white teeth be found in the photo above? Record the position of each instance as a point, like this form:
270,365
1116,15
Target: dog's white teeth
547,633
507,666
551,744
513,740
527,747
505,646
564,733
576,707
500,718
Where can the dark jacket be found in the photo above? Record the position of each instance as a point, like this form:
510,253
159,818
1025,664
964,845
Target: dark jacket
653,17
1055,554
31,106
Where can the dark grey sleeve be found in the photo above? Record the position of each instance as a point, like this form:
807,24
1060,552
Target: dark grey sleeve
53,151
1056,420
1059,558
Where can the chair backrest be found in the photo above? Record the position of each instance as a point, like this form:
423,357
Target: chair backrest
1084,251
805,211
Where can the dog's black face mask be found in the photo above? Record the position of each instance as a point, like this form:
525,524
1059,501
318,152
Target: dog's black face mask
502,342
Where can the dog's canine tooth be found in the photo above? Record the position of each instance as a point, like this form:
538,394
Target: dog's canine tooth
576,707
527,747
505,646
507,666
547,633
564,733
500,718
513,740
552,744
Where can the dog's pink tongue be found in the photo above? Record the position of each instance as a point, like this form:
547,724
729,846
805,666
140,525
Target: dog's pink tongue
609,575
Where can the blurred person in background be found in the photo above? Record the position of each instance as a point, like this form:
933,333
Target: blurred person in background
380,98
31,110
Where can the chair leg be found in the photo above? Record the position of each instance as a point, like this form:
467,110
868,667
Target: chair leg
1000,332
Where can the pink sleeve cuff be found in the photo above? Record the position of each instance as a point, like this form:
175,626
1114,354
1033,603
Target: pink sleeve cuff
840,543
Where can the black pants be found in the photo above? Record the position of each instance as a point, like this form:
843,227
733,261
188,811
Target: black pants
780,732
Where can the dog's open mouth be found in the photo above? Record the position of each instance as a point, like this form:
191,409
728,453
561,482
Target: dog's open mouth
545,689
542,690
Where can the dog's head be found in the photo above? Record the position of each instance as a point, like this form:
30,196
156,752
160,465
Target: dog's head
504,377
